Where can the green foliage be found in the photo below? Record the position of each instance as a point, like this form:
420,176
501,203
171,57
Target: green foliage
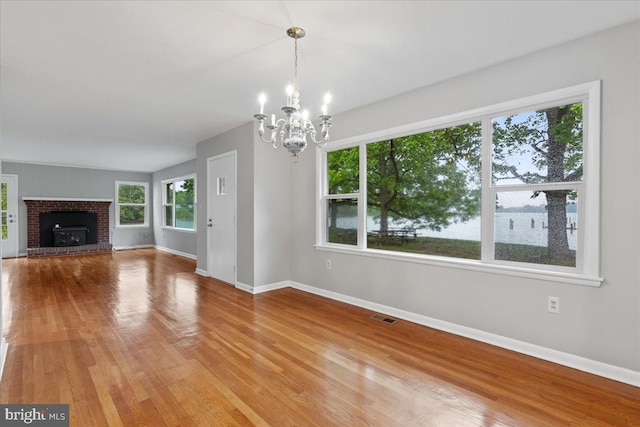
133,196
545,146
431,179
455,248
533,254
343,171
550,139
131,215
3,196
181,195
131,193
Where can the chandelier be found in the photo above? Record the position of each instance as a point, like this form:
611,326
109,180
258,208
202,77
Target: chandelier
291,132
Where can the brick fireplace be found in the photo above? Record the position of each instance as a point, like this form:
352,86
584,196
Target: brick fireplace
43,205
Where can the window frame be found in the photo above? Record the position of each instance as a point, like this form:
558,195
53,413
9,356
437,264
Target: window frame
586,272
165,204
118,205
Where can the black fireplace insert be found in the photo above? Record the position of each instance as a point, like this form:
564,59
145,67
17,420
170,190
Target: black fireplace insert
70,228
70,236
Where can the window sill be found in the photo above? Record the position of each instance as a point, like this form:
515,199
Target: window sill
472,265
183,230
133,226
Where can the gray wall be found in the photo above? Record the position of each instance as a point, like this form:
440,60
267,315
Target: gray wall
263,206
239,139
177,240
57,181
602,324
271,212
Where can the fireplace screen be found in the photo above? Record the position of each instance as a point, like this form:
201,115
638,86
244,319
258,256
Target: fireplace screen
69,236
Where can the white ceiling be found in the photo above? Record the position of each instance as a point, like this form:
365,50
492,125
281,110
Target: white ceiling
135,85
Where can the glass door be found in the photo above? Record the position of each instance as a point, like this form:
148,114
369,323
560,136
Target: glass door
9,215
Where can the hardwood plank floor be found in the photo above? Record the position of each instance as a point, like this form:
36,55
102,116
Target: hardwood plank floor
137,338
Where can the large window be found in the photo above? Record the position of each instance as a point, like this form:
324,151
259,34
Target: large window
132,204
511,187
179,203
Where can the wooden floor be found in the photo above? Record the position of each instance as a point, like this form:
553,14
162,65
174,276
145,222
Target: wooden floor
136,338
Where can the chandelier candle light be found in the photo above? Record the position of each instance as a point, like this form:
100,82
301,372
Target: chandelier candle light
291,132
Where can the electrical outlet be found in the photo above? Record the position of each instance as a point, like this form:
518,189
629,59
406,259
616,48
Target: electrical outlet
328,264
553,305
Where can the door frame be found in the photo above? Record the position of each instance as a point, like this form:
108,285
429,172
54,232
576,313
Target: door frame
210,190
16,214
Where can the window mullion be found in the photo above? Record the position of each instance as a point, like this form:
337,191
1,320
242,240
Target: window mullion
362,198
487,210
321,197
173,205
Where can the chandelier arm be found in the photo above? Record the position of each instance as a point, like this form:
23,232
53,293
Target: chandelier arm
268,141
320,143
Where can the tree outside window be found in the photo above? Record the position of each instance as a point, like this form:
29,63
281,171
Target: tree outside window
530,150
131,203
179,203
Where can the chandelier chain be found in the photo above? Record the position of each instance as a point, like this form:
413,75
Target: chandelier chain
295,65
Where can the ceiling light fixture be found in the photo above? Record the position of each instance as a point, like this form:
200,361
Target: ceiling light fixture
291,132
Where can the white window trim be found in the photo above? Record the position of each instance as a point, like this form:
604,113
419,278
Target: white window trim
146,205
587,270
165,204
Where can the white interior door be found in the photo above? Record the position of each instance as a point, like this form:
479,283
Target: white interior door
221,217
9,212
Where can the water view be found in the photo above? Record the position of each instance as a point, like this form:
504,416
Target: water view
528,228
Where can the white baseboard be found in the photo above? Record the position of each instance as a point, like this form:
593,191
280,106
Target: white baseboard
202,272
244,287
616,373
4,346
125,248
264,288
174,252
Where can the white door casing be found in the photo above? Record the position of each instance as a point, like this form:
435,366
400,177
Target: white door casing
9,218
221,217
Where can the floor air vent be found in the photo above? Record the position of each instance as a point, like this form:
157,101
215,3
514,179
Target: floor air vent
381,318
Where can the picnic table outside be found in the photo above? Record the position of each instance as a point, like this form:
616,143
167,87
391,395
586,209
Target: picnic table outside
407,233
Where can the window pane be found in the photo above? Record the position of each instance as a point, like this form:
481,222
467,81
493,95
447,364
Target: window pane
342,221
343,168
3,197
131,193
5,229
168,216
131,215
539,228
169,193
185,204
423,192
538,146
